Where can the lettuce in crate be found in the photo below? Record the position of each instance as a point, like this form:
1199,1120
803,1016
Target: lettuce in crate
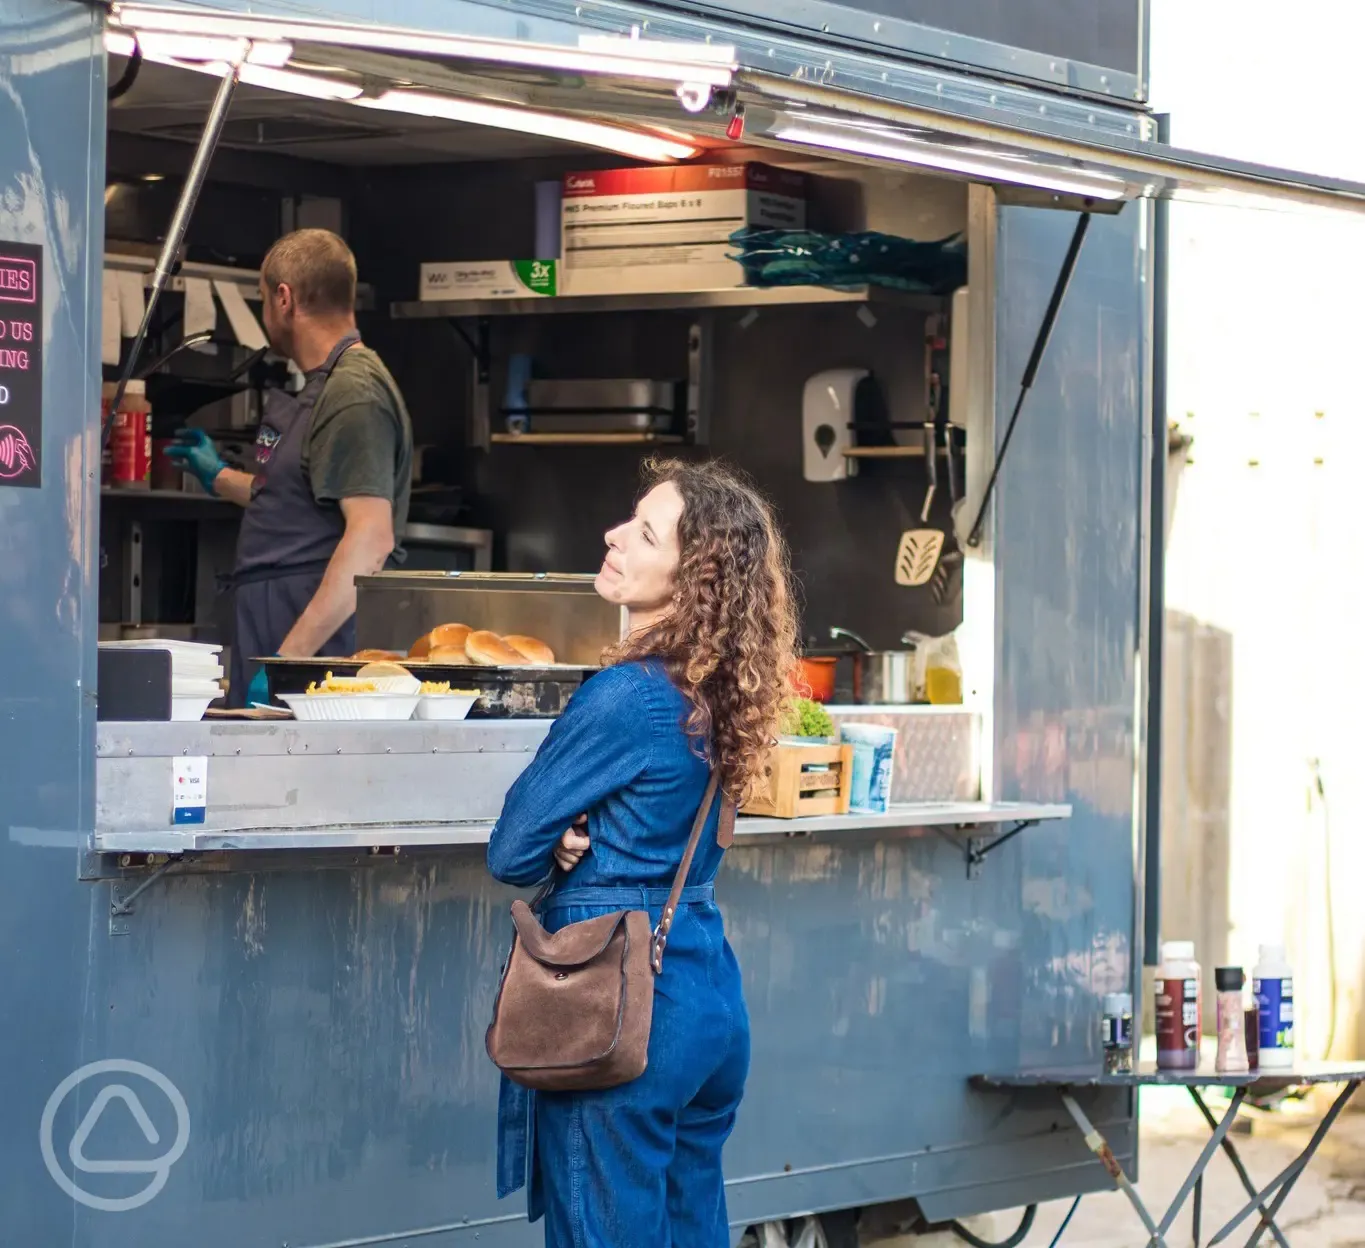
806,718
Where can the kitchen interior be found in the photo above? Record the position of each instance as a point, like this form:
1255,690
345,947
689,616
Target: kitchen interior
532,413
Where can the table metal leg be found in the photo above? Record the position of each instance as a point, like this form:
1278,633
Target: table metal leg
1217,1136
1268,1218
1098,1145
1283,1182
1230,1150
1198,1207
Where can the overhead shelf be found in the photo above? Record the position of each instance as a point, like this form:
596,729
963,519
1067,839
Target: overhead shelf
682,301
586,439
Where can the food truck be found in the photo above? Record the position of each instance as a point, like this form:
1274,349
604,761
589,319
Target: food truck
899,268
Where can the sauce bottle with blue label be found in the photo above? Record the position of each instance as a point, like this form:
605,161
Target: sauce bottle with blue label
1272,983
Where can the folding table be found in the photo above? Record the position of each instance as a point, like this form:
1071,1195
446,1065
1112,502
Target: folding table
1066,1083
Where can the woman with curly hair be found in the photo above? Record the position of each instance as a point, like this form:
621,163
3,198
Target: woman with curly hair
609,801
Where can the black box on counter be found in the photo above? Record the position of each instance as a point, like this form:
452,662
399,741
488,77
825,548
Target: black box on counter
133,685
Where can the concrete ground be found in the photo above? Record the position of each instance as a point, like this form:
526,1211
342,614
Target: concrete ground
1325,1210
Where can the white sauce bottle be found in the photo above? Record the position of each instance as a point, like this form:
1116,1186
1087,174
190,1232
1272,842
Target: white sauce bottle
1272,983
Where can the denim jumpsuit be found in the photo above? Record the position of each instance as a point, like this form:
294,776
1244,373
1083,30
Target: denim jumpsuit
637,1166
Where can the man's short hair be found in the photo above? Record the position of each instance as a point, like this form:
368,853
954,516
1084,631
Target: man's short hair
318,267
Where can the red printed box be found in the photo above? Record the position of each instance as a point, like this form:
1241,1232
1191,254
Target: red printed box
634,231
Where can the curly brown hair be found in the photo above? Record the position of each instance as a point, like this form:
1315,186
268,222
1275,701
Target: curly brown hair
729,642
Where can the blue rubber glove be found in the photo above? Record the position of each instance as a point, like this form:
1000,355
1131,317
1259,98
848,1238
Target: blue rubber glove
194,451
258,691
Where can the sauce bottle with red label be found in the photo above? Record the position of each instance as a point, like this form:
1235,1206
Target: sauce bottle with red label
1178,1001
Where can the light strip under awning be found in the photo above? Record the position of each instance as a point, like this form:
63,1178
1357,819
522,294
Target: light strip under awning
698,64
632,143
993,167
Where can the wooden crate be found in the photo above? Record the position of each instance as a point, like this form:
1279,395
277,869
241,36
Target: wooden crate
794,790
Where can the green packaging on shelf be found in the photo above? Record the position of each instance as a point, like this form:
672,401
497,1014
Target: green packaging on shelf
488,279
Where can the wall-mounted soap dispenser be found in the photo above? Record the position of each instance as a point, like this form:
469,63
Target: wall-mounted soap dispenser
828,406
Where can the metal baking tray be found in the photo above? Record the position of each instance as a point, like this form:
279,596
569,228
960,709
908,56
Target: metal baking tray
598,405
601,394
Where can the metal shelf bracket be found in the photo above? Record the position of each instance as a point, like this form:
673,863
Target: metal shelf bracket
975,849
125,890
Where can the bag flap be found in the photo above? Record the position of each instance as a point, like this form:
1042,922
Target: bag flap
570,946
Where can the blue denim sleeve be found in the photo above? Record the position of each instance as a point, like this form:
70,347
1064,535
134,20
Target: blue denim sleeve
598,745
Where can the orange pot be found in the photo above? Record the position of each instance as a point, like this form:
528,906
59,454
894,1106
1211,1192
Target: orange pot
814,678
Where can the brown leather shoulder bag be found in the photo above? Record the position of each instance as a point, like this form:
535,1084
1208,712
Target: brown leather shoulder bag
573,1009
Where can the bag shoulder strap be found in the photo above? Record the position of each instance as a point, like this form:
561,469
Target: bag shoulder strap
724,836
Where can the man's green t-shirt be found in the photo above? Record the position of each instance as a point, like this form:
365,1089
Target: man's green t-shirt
360,442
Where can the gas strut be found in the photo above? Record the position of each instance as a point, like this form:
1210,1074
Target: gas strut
170,249
1031,370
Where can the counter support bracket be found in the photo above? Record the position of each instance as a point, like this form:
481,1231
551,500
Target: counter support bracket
123,892
975,849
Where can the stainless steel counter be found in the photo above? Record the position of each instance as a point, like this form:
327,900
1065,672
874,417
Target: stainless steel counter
289,785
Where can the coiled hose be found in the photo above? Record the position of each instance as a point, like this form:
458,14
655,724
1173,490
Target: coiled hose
1024,1227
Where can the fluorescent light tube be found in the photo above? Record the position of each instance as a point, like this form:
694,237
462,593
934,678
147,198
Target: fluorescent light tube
958,160
669,62
552,126
289,81
163,47
157,46
295,83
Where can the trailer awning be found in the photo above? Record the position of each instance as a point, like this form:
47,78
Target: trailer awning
691,82
1067,159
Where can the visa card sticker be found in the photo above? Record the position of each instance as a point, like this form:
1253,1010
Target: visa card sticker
189,789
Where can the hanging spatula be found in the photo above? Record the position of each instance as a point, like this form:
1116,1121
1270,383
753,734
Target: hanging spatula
917,556
918,552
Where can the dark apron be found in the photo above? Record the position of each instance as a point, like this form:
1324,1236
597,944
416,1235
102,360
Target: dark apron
287,538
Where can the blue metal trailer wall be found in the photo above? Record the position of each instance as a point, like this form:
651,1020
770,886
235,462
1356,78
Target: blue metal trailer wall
310,1040
51,187
1068,528
1097,46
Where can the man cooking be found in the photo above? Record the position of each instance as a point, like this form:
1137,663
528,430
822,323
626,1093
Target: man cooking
328,498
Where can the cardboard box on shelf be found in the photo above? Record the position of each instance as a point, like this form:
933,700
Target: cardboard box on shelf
638,231
488,279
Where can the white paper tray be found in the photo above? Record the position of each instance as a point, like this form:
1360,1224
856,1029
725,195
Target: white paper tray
445,705
350,706
184,709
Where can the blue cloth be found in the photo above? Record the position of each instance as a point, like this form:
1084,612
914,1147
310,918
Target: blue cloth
259,689
641,1163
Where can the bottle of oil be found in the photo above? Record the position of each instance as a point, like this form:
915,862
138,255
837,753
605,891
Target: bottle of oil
942,685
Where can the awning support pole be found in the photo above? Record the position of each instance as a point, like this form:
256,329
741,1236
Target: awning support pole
1035,358
175,236
1156,580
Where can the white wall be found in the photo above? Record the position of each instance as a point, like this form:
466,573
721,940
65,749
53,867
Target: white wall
1267,316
